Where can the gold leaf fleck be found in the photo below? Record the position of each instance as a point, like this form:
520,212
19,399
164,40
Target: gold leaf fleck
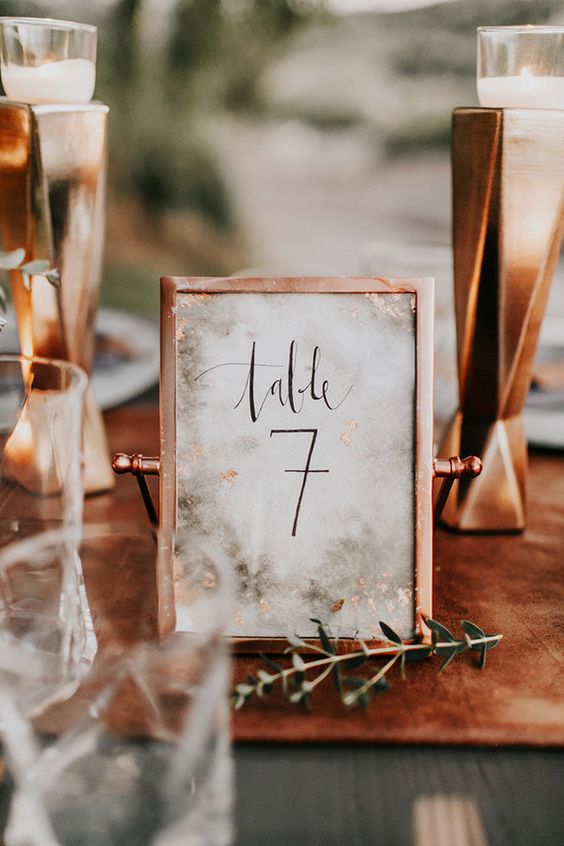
229,476
210,581
197,450
238,617
337,605
193,299
181,329
346,435
355,601
264,606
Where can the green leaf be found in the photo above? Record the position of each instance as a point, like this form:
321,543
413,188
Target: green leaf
266,678
390,634
298,663
325,642
350,698
449,657
239,702
356,661
493,643
457,647
295,641
270,663
26,281
295,697
9,261
37,266
472,630
439,631
244,689
307,687
418,654
336,676
363,699
317,621
54,277
381,686
483,654
3,301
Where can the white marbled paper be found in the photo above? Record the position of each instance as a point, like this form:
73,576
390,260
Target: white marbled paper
296,452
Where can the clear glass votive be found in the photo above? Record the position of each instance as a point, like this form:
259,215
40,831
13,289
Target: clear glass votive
141,753
41,409
521,67
47,61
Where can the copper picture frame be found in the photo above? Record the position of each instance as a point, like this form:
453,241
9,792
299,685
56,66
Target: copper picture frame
198,290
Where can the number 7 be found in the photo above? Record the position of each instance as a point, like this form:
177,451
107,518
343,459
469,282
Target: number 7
306,471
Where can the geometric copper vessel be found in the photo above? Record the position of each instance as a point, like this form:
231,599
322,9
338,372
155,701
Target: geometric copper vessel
53,162
508,222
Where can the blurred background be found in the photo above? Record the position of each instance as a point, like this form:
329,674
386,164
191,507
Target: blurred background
281,136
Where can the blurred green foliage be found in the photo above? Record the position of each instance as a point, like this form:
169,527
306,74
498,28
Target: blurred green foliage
172,70
166,94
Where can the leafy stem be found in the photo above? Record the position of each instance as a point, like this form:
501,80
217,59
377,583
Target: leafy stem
356,689
14,260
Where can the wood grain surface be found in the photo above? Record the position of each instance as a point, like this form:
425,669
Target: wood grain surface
511,584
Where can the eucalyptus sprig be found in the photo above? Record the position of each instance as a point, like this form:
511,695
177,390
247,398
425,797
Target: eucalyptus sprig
14,260
299,680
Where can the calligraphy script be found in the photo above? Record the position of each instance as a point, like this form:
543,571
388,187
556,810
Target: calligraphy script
284,390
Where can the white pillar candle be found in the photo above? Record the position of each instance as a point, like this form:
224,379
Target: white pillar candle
67,81
526,91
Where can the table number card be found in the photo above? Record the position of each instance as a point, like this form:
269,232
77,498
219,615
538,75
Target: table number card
297,433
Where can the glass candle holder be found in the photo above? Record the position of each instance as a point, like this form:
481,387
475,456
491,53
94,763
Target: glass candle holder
41,405
141,753
47,61
521,67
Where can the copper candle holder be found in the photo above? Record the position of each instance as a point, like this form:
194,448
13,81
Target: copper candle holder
52,196
508,222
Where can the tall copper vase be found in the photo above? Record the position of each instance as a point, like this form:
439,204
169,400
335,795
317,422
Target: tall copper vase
52,198
508,222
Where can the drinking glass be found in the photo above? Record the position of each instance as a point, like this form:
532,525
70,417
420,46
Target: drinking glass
42,627
41,405
140,754
47,61
521,67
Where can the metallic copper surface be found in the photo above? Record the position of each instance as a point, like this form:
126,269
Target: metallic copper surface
136,463
508,222
52,197
451,469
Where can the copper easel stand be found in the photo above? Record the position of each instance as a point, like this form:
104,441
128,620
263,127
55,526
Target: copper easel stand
140,466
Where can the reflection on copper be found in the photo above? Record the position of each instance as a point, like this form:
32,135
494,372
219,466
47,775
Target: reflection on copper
52,203
508,222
